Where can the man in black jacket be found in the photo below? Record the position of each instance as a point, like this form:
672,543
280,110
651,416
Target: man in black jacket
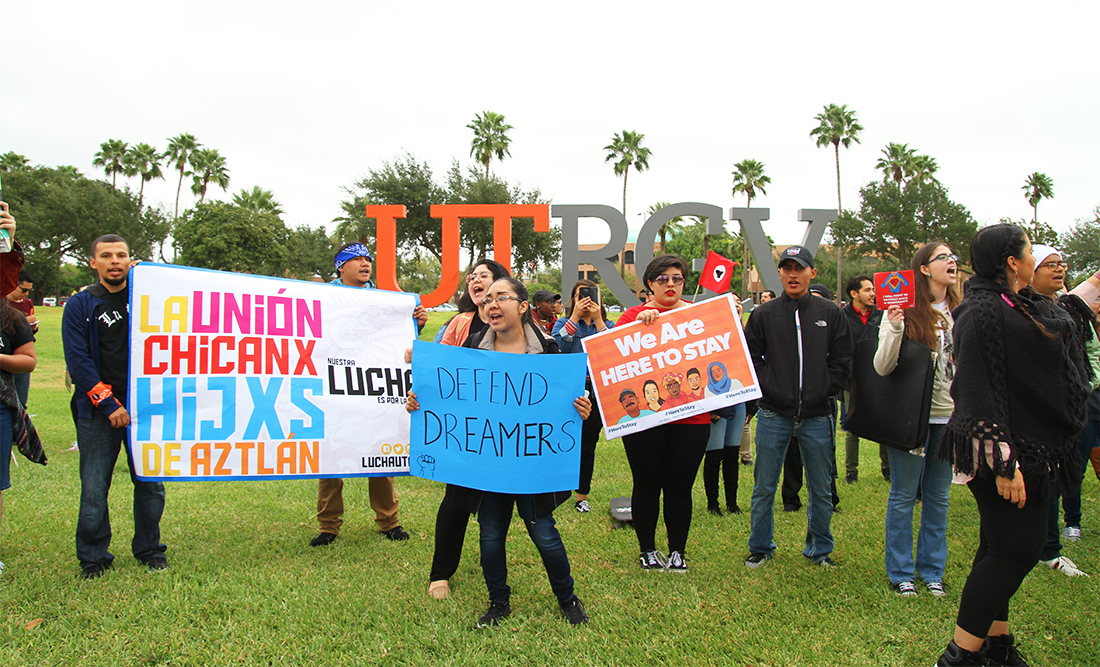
802,350
864,320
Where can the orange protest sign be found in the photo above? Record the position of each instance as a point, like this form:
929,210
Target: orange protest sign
691,360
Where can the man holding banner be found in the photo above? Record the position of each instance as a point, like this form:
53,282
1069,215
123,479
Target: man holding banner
95,334
353,269
801,348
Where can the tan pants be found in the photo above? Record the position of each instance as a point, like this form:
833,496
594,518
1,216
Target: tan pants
330,503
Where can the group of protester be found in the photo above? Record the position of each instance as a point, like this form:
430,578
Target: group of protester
1015,361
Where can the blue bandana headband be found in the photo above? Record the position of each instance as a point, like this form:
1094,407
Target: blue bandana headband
351,252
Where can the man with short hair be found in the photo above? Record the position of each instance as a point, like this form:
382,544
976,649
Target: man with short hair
95,333
766,296
546,306
354,265
864,320
801,348
20,299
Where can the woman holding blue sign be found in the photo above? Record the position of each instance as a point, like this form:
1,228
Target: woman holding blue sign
451,519
511,329
666,457
586,317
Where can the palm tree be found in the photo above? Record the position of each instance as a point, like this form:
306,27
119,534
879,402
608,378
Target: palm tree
12,161
749,178
259,200
208,166
673,226
143,161
627,150
1038,186
837,125
490,138
922,168
110,156
896,163
179,152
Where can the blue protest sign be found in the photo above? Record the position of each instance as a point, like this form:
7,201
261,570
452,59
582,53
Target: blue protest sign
494,421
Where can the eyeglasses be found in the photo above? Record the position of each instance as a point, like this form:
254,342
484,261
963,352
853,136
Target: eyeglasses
1054,266
663,279
501,299
478,276
943,257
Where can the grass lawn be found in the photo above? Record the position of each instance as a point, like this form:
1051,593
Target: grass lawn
245,588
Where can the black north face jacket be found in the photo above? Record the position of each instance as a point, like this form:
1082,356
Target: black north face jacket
798,380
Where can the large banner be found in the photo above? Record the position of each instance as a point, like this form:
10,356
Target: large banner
497,422
246,377
693,359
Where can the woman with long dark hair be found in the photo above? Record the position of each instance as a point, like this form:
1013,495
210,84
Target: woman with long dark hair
1019,390
451,519
583,318
919,472
512,329
664,458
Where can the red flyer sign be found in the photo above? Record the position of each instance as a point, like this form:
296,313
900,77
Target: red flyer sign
895,288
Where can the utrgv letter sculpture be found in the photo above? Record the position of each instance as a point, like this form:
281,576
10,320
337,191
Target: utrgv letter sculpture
751,220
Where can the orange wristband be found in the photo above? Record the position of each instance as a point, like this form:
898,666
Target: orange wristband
100,393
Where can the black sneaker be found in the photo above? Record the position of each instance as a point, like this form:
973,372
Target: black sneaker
574,611
756,560
956,656
652,561
94,571
1001,650
397,534
714,509
733,509
851,478
676,563
827,563
323,539
155,563
792,508
497,612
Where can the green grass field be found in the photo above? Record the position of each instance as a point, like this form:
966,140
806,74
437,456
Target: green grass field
246,589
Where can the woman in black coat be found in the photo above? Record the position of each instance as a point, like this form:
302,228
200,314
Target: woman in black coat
1020,388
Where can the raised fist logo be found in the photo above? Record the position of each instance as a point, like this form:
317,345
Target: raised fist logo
427,466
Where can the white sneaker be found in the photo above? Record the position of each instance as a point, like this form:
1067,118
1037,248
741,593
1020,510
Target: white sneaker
1064,565
1071,533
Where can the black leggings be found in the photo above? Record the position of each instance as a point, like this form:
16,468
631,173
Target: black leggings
664,458
1011,540
590,435
450,534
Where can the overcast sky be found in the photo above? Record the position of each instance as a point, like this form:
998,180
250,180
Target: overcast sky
304,98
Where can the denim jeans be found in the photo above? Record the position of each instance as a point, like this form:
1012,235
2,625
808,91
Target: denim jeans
494,517
727,432
99,447
815,439
1071,502
22,386
933,477
6,420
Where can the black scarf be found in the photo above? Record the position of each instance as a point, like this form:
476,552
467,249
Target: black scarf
1018,385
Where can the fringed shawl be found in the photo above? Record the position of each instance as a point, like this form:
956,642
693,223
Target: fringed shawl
1018,386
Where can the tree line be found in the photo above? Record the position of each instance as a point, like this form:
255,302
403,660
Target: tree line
61,210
